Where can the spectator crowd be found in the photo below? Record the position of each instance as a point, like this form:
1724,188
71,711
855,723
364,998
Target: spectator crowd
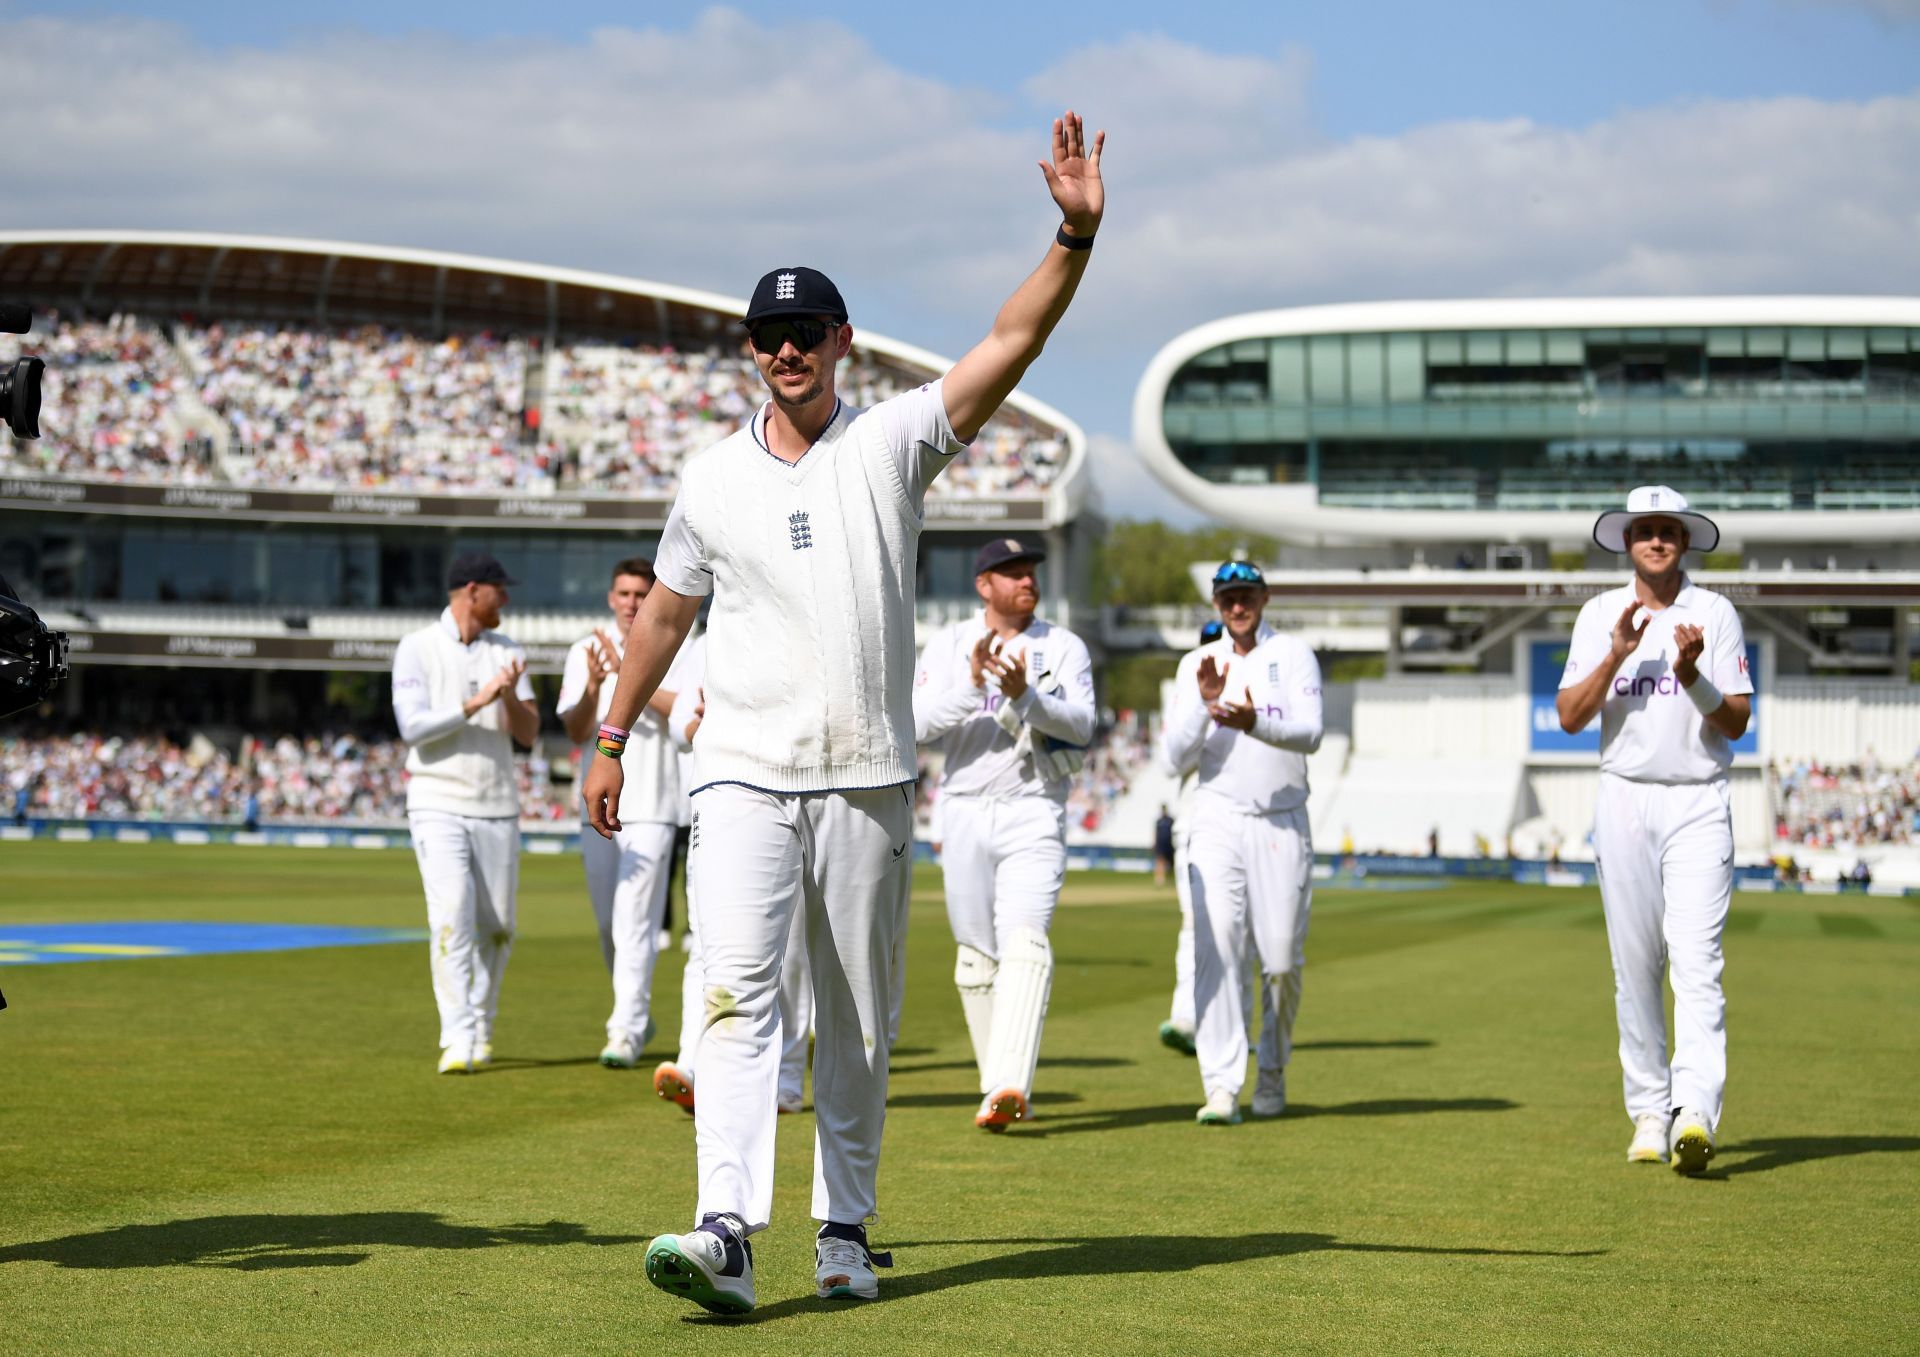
285,778
370,408
1821,806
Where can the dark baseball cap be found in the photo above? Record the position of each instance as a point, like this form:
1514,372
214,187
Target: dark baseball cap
1237,575
476,567
796,291
1002,550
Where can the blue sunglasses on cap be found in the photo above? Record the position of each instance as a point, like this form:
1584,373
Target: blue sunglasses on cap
1237,574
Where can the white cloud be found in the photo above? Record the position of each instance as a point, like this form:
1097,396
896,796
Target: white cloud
702,157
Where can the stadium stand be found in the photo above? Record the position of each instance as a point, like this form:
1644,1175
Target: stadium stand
341,777
374,408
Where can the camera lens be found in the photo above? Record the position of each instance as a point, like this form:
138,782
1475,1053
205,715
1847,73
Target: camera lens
20,396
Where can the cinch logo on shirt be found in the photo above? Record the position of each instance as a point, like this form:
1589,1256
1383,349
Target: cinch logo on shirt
801,533
1666,685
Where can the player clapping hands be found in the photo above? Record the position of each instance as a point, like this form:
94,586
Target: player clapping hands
1212,682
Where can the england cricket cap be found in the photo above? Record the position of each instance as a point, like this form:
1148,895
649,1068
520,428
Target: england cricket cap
1655,501
795,291
476,567
1002,550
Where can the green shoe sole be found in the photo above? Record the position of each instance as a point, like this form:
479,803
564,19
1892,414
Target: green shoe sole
673,1272
1174,1039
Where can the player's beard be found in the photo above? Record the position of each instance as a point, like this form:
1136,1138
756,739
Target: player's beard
811,393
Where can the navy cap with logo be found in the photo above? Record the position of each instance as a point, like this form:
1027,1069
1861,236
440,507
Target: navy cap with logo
795,291
476,567
1002,550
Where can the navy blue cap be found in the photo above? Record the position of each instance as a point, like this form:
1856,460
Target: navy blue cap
476,567
796,291
1002,550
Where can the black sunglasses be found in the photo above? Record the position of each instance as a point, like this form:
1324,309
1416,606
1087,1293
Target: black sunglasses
769,336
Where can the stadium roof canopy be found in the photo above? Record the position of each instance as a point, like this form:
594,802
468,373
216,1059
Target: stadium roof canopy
1497,420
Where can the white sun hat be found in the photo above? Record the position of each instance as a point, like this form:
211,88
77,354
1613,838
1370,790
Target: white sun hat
1649,501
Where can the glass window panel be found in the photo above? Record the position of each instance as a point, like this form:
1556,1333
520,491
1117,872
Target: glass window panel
1685,336
1525,348
1846,343
1444,349
1566,347
1287,372
1484,348
1726,343
1326,367
1645,336
1887,341
1406,369
1212,358
1603,336
1366,369
1248,351
1766,343
1807,344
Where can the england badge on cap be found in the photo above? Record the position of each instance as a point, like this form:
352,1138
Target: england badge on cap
1651,501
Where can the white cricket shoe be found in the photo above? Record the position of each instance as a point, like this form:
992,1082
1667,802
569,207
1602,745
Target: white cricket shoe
1222,1109
457,1059
482,1056
622,1051
787,1105
1650,1136
1692,1143
1270,1093
711,1265
843,1268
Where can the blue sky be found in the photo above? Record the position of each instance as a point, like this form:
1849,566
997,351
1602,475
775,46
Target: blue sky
1379,68
1259,156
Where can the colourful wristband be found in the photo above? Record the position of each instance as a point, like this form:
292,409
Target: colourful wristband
615,731
613,749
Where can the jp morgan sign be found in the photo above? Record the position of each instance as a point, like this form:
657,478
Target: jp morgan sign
604,513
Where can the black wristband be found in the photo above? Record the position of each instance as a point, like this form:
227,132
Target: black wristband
1067,242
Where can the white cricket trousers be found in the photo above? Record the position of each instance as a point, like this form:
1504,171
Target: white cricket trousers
1004,862
796,1004
470,868
627,884
1251,879
1665,856
1181,1013
845,858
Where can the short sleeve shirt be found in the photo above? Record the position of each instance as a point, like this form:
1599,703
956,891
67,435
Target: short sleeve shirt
1650,731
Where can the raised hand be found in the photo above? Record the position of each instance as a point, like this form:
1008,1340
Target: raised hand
602,661
1626,636
1686,660
1234,715
1212,679
977,660
1009,672
1074,176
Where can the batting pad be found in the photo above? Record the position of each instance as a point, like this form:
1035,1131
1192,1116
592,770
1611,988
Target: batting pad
973,973
1020,993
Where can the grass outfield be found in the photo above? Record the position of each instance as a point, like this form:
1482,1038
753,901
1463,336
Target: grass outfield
252,1152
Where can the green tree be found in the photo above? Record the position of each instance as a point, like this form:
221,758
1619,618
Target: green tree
1141,564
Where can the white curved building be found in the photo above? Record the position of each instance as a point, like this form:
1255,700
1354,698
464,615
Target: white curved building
1793,420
